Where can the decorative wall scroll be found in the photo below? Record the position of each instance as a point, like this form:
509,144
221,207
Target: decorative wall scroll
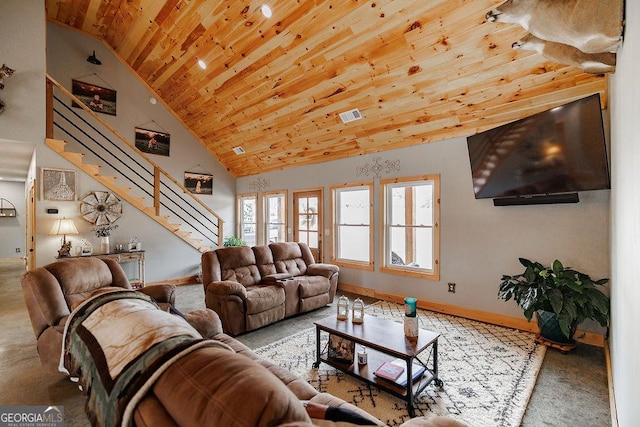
97,98
260,184
153,141
58,184
377,167
198,183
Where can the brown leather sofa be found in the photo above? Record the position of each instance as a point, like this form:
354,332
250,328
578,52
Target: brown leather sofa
219,383
271,395
250,287
51,292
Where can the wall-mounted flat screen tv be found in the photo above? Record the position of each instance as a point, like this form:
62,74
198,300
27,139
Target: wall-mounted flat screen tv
561,150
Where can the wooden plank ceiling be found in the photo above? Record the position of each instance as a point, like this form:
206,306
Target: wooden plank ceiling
418,71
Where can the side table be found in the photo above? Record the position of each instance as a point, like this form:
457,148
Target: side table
124,257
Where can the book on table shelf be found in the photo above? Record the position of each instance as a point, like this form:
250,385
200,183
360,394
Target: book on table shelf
401,379
389,371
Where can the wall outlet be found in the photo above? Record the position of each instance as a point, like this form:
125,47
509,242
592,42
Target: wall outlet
17,250
452,287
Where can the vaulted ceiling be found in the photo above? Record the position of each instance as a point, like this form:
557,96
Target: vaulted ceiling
417,70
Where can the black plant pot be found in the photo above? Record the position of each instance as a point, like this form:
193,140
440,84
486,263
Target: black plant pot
550,328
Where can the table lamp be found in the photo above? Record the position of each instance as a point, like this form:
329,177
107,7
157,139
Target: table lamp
63,227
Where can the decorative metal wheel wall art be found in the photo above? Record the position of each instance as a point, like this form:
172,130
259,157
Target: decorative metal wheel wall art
101,208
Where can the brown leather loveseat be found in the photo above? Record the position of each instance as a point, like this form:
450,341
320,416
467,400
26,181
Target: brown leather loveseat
250,287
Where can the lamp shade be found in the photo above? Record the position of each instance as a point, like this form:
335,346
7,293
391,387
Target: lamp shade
63,227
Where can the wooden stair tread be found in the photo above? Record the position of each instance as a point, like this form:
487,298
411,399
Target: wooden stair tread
124,193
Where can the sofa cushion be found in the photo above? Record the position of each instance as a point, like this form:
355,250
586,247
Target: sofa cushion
302,389
216,387
287,257
78,277
238,264
264,260
263,298
311,286
246,276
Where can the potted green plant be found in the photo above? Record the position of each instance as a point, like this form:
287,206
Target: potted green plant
561,297
233,241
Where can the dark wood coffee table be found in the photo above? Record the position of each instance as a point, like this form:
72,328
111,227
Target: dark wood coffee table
384,341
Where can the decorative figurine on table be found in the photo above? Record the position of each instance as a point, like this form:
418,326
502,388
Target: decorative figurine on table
134,244
64,250
410,318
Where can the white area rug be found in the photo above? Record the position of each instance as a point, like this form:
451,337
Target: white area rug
488,371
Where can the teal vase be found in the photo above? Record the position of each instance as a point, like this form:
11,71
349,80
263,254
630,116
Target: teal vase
549,326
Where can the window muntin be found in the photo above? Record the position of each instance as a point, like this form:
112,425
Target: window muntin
410,228
275,217
352,217
308,220
247,217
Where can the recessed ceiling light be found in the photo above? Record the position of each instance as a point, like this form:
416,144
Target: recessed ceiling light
266,11
152,100
202,64
238,150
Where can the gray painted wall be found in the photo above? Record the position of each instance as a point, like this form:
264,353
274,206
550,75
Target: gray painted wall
478,241
625,201
167,255
22,47
12,230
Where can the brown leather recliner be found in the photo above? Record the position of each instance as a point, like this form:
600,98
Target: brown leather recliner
52,291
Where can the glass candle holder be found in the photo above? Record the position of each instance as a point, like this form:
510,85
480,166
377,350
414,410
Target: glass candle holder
343,308
357,315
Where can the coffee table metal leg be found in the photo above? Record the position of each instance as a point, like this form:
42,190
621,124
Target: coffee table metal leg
316,365
410,387
437,381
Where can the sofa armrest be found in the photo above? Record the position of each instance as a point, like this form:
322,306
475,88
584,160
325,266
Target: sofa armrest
227,287
205,321
321,269
161,293
272,279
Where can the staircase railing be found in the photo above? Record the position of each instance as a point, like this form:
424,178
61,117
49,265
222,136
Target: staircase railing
173,204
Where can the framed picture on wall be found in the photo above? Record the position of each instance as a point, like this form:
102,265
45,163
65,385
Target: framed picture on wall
198,183
58,184
97,98
152,141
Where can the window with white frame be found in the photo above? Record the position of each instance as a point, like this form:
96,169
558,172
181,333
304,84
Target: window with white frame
352,217
275,217
410,226
247,217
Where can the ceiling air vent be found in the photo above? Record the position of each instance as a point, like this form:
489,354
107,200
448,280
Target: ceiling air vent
238,150
350,116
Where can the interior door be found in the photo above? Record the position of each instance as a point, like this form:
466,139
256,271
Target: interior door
31,227
307,224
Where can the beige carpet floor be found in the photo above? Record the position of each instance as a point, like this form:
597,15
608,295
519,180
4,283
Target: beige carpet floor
488,371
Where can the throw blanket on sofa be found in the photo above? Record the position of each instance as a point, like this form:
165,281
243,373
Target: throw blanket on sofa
117,344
